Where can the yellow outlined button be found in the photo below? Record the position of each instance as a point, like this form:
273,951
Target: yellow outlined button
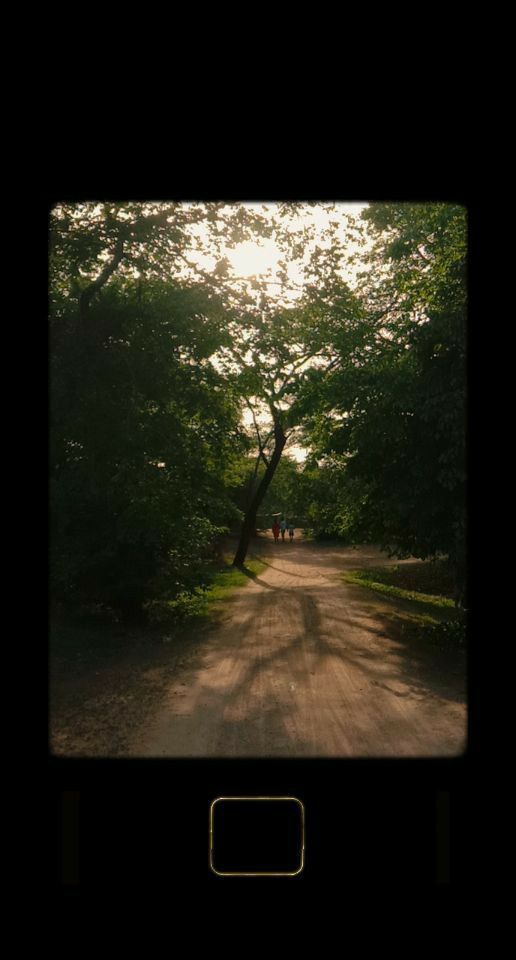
258,873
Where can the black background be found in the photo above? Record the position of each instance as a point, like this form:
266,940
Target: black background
144,825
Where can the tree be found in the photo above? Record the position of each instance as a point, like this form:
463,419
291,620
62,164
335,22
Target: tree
283,493
92,242
154,358
145,424
143,431
394,407
328,500
270,362
143,427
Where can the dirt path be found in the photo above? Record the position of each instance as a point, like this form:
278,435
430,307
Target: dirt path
307,665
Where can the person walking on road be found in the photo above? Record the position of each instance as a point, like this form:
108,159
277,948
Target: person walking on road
291,531
283,527
275,531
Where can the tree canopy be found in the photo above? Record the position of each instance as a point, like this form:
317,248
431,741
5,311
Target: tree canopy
158,350
392,412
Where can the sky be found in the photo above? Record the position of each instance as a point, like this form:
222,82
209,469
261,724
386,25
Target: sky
256,260
260,260
250,259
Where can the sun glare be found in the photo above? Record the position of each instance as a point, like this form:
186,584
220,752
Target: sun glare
252,259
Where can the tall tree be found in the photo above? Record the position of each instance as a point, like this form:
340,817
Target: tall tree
394,408
143,430
270,362
91,243
113,266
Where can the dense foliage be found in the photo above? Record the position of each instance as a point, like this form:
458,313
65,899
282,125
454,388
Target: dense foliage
153,361
143,433
391,416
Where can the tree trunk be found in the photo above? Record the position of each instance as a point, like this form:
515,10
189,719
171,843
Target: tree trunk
249,522
250,488
94,287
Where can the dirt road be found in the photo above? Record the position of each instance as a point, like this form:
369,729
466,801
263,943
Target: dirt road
307,665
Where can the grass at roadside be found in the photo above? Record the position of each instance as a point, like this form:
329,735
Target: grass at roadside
96,628
375,580
219,583
106,676
431,616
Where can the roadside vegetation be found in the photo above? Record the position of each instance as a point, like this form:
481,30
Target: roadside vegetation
178,393
425,590
220,581
164,619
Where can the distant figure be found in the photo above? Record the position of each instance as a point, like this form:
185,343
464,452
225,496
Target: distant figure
291,531
275,531
283,527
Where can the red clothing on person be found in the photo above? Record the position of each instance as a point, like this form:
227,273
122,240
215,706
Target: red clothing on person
275,530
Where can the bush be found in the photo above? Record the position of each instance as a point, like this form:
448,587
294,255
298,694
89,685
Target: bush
142,437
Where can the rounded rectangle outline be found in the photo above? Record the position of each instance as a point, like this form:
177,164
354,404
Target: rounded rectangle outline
260,873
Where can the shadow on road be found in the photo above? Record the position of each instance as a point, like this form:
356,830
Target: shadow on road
413,672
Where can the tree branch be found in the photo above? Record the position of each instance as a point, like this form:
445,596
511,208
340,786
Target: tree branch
89,292
261,445
226,281
299,363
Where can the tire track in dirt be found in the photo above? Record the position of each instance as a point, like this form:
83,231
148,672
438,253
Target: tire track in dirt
307,665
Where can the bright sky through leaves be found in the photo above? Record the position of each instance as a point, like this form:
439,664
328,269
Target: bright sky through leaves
262,260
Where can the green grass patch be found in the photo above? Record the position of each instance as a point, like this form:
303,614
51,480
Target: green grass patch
374,578
94,633
432,617
429,577
219,583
